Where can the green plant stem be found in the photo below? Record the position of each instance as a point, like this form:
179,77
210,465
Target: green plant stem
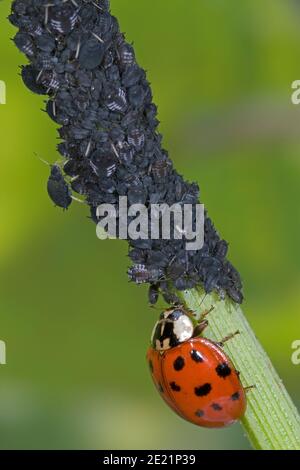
271,420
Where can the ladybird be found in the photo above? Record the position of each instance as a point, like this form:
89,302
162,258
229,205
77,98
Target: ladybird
192,373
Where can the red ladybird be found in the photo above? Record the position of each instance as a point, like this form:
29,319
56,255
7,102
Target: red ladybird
193,374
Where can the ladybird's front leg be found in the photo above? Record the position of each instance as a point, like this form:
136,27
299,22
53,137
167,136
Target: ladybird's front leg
206,312
203,323
199,328
227,338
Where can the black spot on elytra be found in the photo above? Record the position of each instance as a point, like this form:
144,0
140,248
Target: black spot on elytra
175,387
151,366
235,396
178,363
199,413
196,356
223,370
216,407
203,390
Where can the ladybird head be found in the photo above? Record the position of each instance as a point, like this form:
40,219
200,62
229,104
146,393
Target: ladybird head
173,327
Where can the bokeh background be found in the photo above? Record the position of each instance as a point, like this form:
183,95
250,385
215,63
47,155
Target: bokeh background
76,331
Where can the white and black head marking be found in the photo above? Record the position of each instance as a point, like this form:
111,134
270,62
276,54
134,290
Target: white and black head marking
173,327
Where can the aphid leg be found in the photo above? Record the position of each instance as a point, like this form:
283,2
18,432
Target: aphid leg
78,200
227,338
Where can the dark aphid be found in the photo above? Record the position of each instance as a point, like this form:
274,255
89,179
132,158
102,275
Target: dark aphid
63,149
235,294
33,27
137,195
104,4
108,60
132,75
136,138
45,62
103,165
170,297
62,19
72,167
77,185
221,249
20,7
184,283
91,54
151,114
140,274
84,79
126,153
117,134
105,23
116,101
212,280
49,80
45,42
58,189
113,74
78,133
53,113
176,269
137,256
136,96
126,54
108,165
24,42
160,170
153,293
29,76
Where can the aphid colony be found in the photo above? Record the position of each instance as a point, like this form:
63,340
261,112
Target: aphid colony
102,100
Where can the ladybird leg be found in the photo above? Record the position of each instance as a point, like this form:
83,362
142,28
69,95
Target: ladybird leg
249,387
227,338
207,312
200,328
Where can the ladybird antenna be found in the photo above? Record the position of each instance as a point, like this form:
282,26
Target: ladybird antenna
155,307
203,298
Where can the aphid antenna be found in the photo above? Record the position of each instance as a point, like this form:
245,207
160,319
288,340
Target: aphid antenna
155,307
45,161
42,160
203,298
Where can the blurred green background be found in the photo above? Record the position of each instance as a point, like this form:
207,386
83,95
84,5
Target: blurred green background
76,331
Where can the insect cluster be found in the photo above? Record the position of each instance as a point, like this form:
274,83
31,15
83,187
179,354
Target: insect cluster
102,102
